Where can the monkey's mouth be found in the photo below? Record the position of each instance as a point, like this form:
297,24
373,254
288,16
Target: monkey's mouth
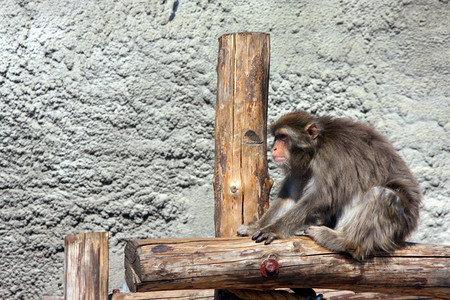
279,158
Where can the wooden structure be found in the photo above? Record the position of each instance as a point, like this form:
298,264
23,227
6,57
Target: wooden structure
192,268
235,263
86,261
241,179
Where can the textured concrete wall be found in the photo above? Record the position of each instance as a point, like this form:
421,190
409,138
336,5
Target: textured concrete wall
107,112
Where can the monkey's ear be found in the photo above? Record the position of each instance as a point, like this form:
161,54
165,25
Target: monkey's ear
312,130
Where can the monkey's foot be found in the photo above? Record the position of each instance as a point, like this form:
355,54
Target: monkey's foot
328,238
321,233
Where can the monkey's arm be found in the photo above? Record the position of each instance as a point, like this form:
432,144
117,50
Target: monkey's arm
276,210
299,217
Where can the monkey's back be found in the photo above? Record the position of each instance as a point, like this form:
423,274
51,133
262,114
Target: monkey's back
359,157
371,186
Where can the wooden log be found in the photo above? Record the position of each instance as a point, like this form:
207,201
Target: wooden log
174,295
349,295
234,263
241,179
206,295
86,266
209,295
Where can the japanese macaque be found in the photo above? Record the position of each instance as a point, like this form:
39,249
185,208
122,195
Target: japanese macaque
345,187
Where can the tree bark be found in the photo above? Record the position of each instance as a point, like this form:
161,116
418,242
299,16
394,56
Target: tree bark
235,263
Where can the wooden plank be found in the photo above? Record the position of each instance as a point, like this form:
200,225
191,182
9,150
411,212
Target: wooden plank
234,263
86,266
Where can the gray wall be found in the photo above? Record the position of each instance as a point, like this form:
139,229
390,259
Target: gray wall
107,112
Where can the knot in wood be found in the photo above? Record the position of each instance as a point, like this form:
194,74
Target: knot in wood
269,268
233,189
251,138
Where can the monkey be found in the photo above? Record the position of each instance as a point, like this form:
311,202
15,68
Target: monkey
345,187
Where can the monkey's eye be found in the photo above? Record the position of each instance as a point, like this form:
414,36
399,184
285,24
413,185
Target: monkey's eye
282,137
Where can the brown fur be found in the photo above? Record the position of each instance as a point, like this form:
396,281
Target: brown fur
345,186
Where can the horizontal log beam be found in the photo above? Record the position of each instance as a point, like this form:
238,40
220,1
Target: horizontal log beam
235,263
166,295
209,295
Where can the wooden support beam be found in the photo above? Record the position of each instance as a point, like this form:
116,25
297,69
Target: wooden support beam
86,266
166,295
241,178
209,295
235,263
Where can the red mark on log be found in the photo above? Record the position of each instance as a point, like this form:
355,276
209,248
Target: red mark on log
269,268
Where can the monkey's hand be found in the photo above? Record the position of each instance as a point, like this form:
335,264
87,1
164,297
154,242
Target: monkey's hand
267,234
247,229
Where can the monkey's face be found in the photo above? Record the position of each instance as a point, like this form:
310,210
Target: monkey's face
280,152
294,149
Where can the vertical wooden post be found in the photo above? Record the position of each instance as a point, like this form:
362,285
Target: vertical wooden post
86,266
241,180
